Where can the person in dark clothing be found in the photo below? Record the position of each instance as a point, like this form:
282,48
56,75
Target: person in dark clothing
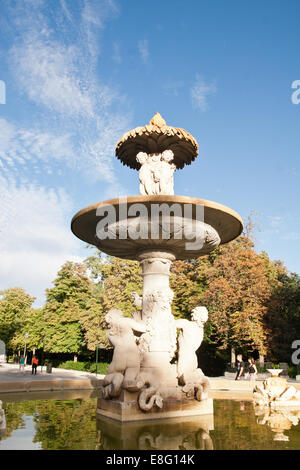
34,363
240,366
252,369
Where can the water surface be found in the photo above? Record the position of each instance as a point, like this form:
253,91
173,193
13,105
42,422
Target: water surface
72,424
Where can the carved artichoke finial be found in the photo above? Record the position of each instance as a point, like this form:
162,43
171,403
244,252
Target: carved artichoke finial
158,121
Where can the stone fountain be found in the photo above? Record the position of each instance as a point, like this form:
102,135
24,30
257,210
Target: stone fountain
144,381
276,393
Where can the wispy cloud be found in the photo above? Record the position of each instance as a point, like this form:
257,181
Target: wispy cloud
54,62
275,221
50,76
35,239
59,76
200,92
173,87
143,48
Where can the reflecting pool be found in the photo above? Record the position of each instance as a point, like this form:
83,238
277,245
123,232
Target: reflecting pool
72,424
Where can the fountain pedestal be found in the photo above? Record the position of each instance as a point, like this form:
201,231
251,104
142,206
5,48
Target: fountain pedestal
158,345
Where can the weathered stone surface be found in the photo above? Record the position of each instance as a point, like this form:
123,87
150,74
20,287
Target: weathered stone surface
130,411
79,384
220,225
275,392
39,385
13,387
155,138
156,174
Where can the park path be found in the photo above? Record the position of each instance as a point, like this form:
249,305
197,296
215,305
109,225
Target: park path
12,380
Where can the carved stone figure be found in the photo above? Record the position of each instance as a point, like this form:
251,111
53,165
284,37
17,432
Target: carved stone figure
274,391
125,365
154,162
147,185
149,395
156,173
166,180
157,315
190,338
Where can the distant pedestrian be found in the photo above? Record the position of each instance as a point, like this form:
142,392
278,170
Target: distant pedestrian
34,364
240,366
252,370
22,364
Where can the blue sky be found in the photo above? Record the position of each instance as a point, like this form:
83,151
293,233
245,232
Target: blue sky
80,73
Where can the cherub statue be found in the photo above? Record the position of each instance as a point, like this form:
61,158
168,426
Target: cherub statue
190,339
125,365
166,180
156,173
147,185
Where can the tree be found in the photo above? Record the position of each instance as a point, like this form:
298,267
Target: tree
116,279
188,281
238,289
15,305
92,320
283,315
66,302
34,325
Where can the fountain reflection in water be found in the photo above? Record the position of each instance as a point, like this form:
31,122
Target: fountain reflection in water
186,434
278,421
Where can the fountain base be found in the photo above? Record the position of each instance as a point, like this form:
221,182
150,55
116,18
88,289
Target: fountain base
125,408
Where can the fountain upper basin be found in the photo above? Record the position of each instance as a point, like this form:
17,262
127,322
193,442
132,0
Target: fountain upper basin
218,225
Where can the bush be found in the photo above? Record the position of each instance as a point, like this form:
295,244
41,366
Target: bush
84,366
292,371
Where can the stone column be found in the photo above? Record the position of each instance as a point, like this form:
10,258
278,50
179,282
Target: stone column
159,342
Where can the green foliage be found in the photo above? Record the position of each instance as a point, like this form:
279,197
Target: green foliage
116,279
33,324
237,290
261,369
92,320
58,424
85,366
66,302
188,281
292,371
15,307
283,316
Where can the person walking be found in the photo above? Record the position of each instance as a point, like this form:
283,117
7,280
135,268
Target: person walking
22,364
240,366
252,369
34,364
